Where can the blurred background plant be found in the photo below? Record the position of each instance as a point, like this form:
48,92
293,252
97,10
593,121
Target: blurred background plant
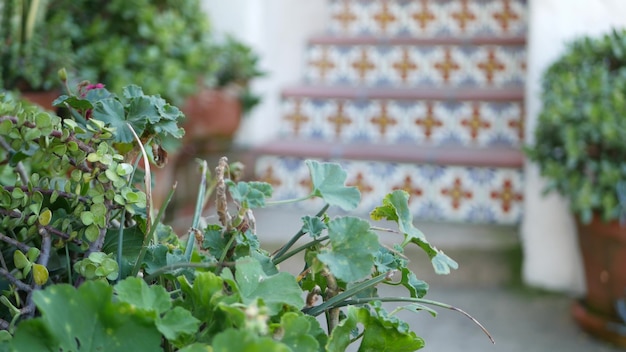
31,53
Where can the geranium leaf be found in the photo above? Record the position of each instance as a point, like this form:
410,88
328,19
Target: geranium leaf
176,323
250,194
243,340
297,332
396,208
275,290
141,107
353,246
313,226
138,294
111,112
382,332
416,287
329,184
84,319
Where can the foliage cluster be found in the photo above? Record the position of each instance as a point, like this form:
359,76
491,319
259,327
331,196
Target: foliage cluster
579,137
86,264
168,45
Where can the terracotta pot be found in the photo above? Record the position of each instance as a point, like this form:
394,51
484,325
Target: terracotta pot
211,113
603,249
41,98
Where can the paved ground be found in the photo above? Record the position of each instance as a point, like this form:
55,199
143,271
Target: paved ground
518,320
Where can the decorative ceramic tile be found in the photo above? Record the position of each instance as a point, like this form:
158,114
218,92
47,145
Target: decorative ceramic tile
412,66
428,18
441,193
430,123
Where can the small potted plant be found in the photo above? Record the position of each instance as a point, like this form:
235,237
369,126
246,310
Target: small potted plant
87,263
31,55
216,110
579,148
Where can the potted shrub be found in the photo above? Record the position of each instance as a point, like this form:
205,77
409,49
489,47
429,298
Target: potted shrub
31,55
579,147
88,265
215,112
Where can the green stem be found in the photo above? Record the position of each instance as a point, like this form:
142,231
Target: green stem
176,266
198,211
297,236
227,248
359,301
288,201
120,239
146,239
338,299
278,260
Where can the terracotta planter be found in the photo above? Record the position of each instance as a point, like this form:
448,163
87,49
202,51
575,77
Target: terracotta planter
603,248
212,119
41,98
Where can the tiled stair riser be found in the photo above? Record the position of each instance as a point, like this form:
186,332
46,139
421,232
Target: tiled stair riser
403,122
416,66
441,193
428,18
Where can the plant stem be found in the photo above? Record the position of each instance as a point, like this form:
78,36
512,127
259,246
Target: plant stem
288,201
338,299
359,301
226,249
198,211
180,265
146,238
11,279
297,236
278,260
22,247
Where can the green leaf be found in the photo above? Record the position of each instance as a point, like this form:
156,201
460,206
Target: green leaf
19,259
242,340
313,226
353,246
40,274
86,319
297,332
45,217
416,287
250,194
177,323
275,290
87,218
138,294
328,181
111,111
396,208
382,332
92,232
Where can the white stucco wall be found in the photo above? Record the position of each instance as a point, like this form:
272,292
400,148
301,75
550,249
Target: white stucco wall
551,259
278,31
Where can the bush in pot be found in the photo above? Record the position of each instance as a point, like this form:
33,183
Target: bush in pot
579,148
86,263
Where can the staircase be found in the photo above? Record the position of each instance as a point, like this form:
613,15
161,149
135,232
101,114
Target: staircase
421,95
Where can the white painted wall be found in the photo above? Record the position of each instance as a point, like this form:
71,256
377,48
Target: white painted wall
551,258
278,30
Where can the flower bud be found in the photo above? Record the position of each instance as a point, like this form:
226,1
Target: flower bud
63,75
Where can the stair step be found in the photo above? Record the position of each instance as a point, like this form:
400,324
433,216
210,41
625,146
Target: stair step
405,65
458,156
406,117
418,18
455,184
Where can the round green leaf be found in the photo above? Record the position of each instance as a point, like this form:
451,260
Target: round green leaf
40,274
92,232
19,259
87,218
